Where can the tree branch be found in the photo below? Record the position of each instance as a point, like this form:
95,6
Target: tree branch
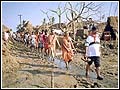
46,14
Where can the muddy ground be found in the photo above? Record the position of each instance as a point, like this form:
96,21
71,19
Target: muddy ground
22,68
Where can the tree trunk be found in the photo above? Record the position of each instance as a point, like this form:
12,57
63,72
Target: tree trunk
59,21
74,29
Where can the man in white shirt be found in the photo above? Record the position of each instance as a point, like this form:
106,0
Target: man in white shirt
6,36
26,41
14,36
33,41
93,52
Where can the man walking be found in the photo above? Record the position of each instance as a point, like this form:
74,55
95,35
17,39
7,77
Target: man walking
93,52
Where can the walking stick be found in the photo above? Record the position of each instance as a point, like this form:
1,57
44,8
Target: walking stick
52,71
85,60
52,77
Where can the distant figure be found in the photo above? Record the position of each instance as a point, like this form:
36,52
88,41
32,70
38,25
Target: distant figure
52,39
45,38
90,24
18,37
6,36
26,39
41,41
33,41
11,32
14,36
37,40
93,52
67,49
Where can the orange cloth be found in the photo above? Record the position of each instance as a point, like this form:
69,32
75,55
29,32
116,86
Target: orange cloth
52,44
52,41
37,39
45,37
67,52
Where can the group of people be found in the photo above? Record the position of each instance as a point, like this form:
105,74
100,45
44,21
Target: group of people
47,45
47,42
41,41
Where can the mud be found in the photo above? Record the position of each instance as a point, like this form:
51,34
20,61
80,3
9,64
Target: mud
36,71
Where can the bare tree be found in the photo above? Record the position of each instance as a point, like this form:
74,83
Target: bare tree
50,18
59,13
83,8
81,11
72,16
46,13
44,22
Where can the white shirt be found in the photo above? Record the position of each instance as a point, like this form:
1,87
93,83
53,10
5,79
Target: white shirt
6,36
13,35
26,36
94,49
33,37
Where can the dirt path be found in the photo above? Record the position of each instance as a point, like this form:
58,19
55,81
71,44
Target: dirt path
36,72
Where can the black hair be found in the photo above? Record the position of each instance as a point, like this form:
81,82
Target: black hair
42,30
94,28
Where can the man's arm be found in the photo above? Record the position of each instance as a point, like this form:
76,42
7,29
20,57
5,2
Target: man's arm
86,47
58,42
86,50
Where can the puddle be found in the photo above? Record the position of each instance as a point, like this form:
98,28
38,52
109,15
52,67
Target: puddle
60,63
76,70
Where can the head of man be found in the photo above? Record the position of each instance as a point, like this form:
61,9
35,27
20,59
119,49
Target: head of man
42,31
46,32
93,30
66,34
52,32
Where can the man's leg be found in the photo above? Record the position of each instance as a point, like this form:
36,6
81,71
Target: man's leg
88,66
98,73
66,64
97,65
53,53
87,70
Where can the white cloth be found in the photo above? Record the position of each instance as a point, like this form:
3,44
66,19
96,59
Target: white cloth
26,37
33,39
94,49
6,36
13,35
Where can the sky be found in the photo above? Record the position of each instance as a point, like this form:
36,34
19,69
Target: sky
32,11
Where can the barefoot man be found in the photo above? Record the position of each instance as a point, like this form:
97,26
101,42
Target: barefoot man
52,39
67,49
